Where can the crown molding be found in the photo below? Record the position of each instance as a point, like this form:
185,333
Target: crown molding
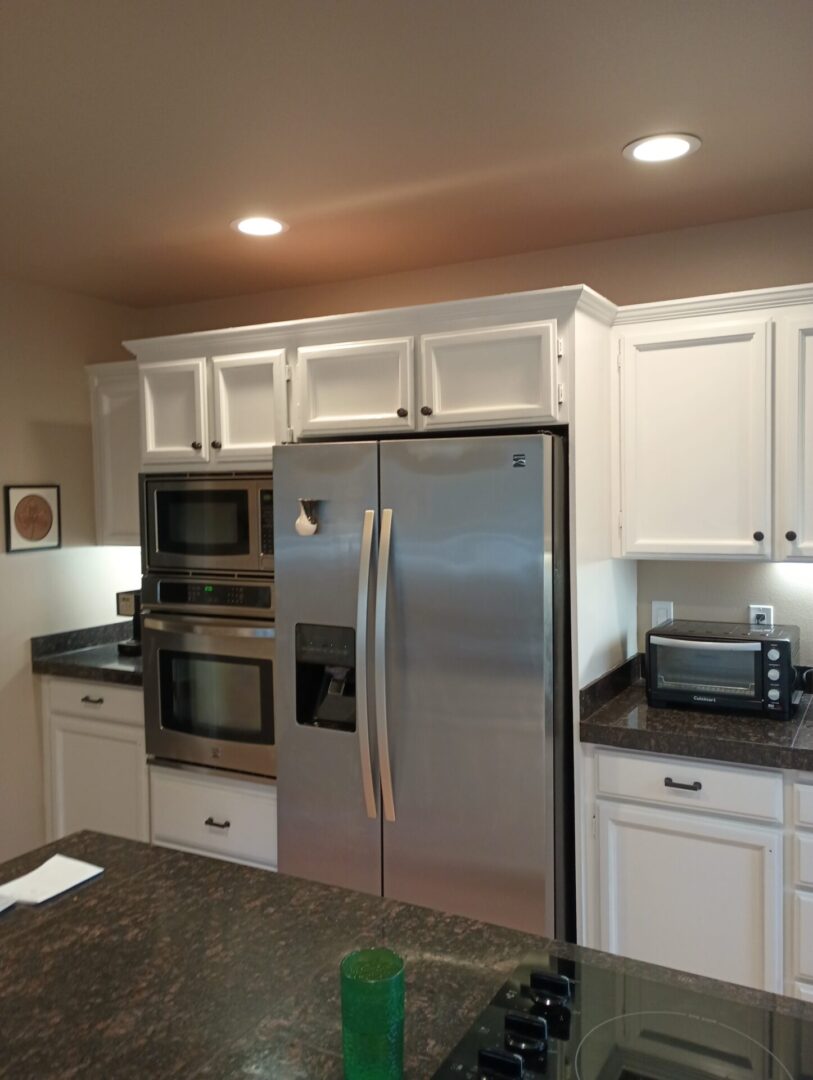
718,304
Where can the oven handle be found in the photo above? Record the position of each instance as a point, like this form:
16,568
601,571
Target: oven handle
362,618
219,627
711,646
382,732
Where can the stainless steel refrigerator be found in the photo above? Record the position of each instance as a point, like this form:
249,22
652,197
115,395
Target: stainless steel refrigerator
421,672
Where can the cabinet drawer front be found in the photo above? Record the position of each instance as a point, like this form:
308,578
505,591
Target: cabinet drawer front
724,789
103,701
803,804
803,936
231,819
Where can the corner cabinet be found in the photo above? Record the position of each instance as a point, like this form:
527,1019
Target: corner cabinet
95,759
115,416
794,532
695,442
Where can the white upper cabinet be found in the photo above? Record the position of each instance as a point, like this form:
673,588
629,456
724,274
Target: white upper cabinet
116,450
174,416
794,436
493,376
249,391
356,387
695,441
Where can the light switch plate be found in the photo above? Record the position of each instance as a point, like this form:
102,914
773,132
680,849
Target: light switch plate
662,611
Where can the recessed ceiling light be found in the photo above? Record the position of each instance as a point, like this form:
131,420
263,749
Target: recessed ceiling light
258,226
661,147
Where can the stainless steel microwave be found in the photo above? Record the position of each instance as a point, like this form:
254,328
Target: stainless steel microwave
732,666
208,523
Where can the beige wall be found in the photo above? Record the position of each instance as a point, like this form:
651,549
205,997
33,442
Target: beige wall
724,591
46,338
750,254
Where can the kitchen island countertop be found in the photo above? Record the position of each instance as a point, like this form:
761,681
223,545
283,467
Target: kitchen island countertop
176,965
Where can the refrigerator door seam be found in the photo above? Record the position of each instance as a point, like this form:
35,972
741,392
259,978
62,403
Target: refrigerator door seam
362,617
382,581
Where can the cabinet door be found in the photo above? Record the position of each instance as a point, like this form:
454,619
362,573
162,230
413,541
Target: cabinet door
696,443
116,452
355,388
250,406
692,893
498,375
794,434
98,774
174,427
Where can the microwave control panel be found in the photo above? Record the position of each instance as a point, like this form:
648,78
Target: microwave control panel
267,521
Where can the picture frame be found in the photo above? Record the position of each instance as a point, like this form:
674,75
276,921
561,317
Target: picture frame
33,517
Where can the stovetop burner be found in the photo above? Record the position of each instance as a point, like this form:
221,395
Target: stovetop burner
559,1019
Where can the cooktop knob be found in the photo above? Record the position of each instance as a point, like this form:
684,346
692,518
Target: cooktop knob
550,995
527,1036
558,986
499,1065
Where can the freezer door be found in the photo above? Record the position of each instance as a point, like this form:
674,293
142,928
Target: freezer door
464,655
328,792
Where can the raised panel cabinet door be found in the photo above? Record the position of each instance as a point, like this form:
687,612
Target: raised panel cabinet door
98,777
116,451
691,892
496,375
695,438
174,422
357,387
794,435
250,406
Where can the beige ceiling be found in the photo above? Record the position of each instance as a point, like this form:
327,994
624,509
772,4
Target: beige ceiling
389,134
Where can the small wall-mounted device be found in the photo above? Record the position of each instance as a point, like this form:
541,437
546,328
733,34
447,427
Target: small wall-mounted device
307,523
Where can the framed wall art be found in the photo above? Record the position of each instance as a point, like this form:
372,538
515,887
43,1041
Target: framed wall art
33,520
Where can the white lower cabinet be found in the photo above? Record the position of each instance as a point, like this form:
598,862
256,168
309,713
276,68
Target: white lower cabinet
691,886
800,892
212,814
95,761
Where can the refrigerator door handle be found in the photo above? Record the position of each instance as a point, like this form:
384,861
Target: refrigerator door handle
362,617
382,580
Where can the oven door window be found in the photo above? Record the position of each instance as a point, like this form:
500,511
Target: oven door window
206,523
218,697
698,670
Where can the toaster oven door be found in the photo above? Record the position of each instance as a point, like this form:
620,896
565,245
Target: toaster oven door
705,672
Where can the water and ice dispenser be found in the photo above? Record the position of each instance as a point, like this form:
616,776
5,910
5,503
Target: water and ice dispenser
326,676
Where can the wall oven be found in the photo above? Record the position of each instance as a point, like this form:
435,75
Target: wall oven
208,523
209,676
732,666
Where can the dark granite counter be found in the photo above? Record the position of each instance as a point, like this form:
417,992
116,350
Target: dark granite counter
628,722
87,654
176,965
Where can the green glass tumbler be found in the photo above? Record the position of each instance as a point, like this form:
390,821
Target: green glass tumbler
373,1015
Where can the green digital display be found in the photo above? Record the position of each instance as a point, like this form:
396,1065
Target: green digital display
208,588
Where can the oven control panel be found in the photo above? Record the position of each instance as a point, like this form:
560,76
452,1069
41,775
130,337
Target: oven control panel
214,594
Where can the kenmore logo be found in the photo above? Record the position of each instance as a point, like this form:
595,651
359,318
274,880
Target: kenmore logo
700,697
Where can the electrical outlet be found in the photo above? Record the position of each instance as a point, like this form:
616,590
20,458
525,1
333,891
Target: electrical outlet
760,614
662,611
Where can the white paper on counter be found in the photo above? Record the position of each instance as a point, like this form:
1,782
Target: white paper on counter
55,876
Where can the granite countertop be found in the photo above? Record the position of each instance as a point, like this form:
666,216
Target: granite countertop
176,965
90,654
628,722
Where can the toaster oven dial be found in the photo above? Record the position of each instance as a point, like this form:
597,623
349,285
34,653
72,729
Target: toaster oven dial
773,674
773,694
773,655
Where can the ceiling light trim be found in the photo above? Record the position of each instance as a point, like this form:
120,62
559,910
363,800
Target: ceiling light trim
259,225
662,147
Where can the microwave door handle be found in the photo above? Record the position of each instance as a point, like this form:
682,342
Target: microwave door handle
362,618
707,646
382,581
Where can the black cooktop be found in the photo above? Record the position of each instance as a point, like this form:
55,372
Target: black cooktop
561,1019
